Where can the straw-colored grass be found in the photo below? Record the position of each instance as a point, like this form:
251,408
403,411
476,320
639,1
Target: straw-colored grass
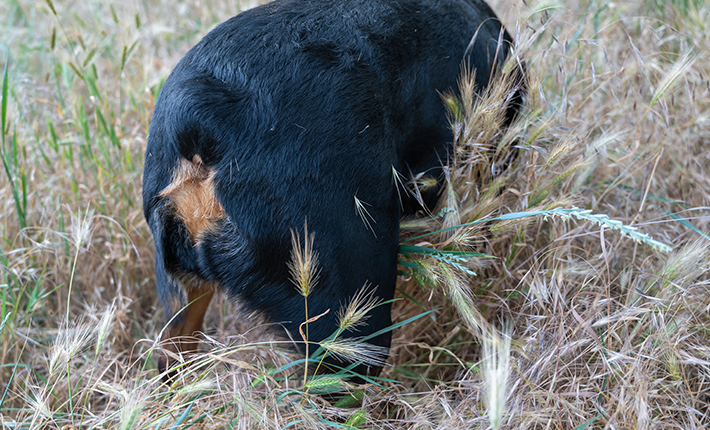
566,288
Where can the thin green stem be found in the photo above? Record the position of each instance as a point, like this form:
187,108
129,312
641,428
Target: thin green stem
337,333
71,281
305,372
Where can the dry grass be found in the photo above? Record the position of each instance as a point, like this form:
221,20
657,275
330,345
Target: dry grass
572,320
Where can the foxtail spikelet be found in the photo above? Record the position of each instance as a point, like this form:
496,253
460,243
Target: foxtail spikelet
325,383
496,370
460,293
38,401
82,228
670,78
104,326
70,342
354,314
131,411
304,262
353,350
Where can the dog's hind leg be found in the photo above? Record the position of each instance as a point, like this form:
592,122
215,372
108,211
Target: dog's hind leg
186,312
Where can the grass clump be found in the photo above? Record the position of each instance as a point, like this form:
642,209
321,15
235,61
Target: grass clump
562,283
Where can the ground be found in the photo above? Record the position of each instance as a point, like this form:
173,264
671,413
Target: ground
594,317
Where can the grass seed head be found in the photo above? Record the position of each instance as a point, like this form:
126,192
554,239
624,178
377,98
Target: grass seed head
304,262
197,387
104,326
38,401
355,313
457,288
70,341
684,63
353,350
686,264
323,384
496,371
131,410
82,229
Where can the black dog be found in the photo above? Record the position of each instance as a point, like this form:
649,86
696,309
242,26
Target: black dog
300,110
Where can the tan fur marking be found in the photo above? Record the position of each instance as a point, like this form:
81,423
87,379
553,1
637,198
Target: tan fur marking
193,196
180,337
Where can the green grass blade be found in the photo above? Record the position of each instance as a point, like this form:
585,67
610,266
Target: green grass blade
3,108
689,225
3,153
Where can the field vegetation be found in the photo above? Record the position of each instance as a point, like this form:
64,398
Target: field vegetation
565,288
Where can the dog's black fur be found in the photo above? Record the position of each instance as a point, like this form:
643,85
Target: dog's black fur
295,109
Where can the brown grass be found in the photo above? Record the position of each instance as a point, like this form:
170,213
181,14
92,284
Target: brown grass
605,330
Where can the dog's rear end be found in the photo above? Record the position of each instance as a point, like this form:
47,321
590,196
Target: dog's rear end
184,210
299,111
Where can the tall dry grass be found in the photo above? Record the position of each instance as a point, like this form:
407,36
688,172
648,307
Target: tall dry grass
515,311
